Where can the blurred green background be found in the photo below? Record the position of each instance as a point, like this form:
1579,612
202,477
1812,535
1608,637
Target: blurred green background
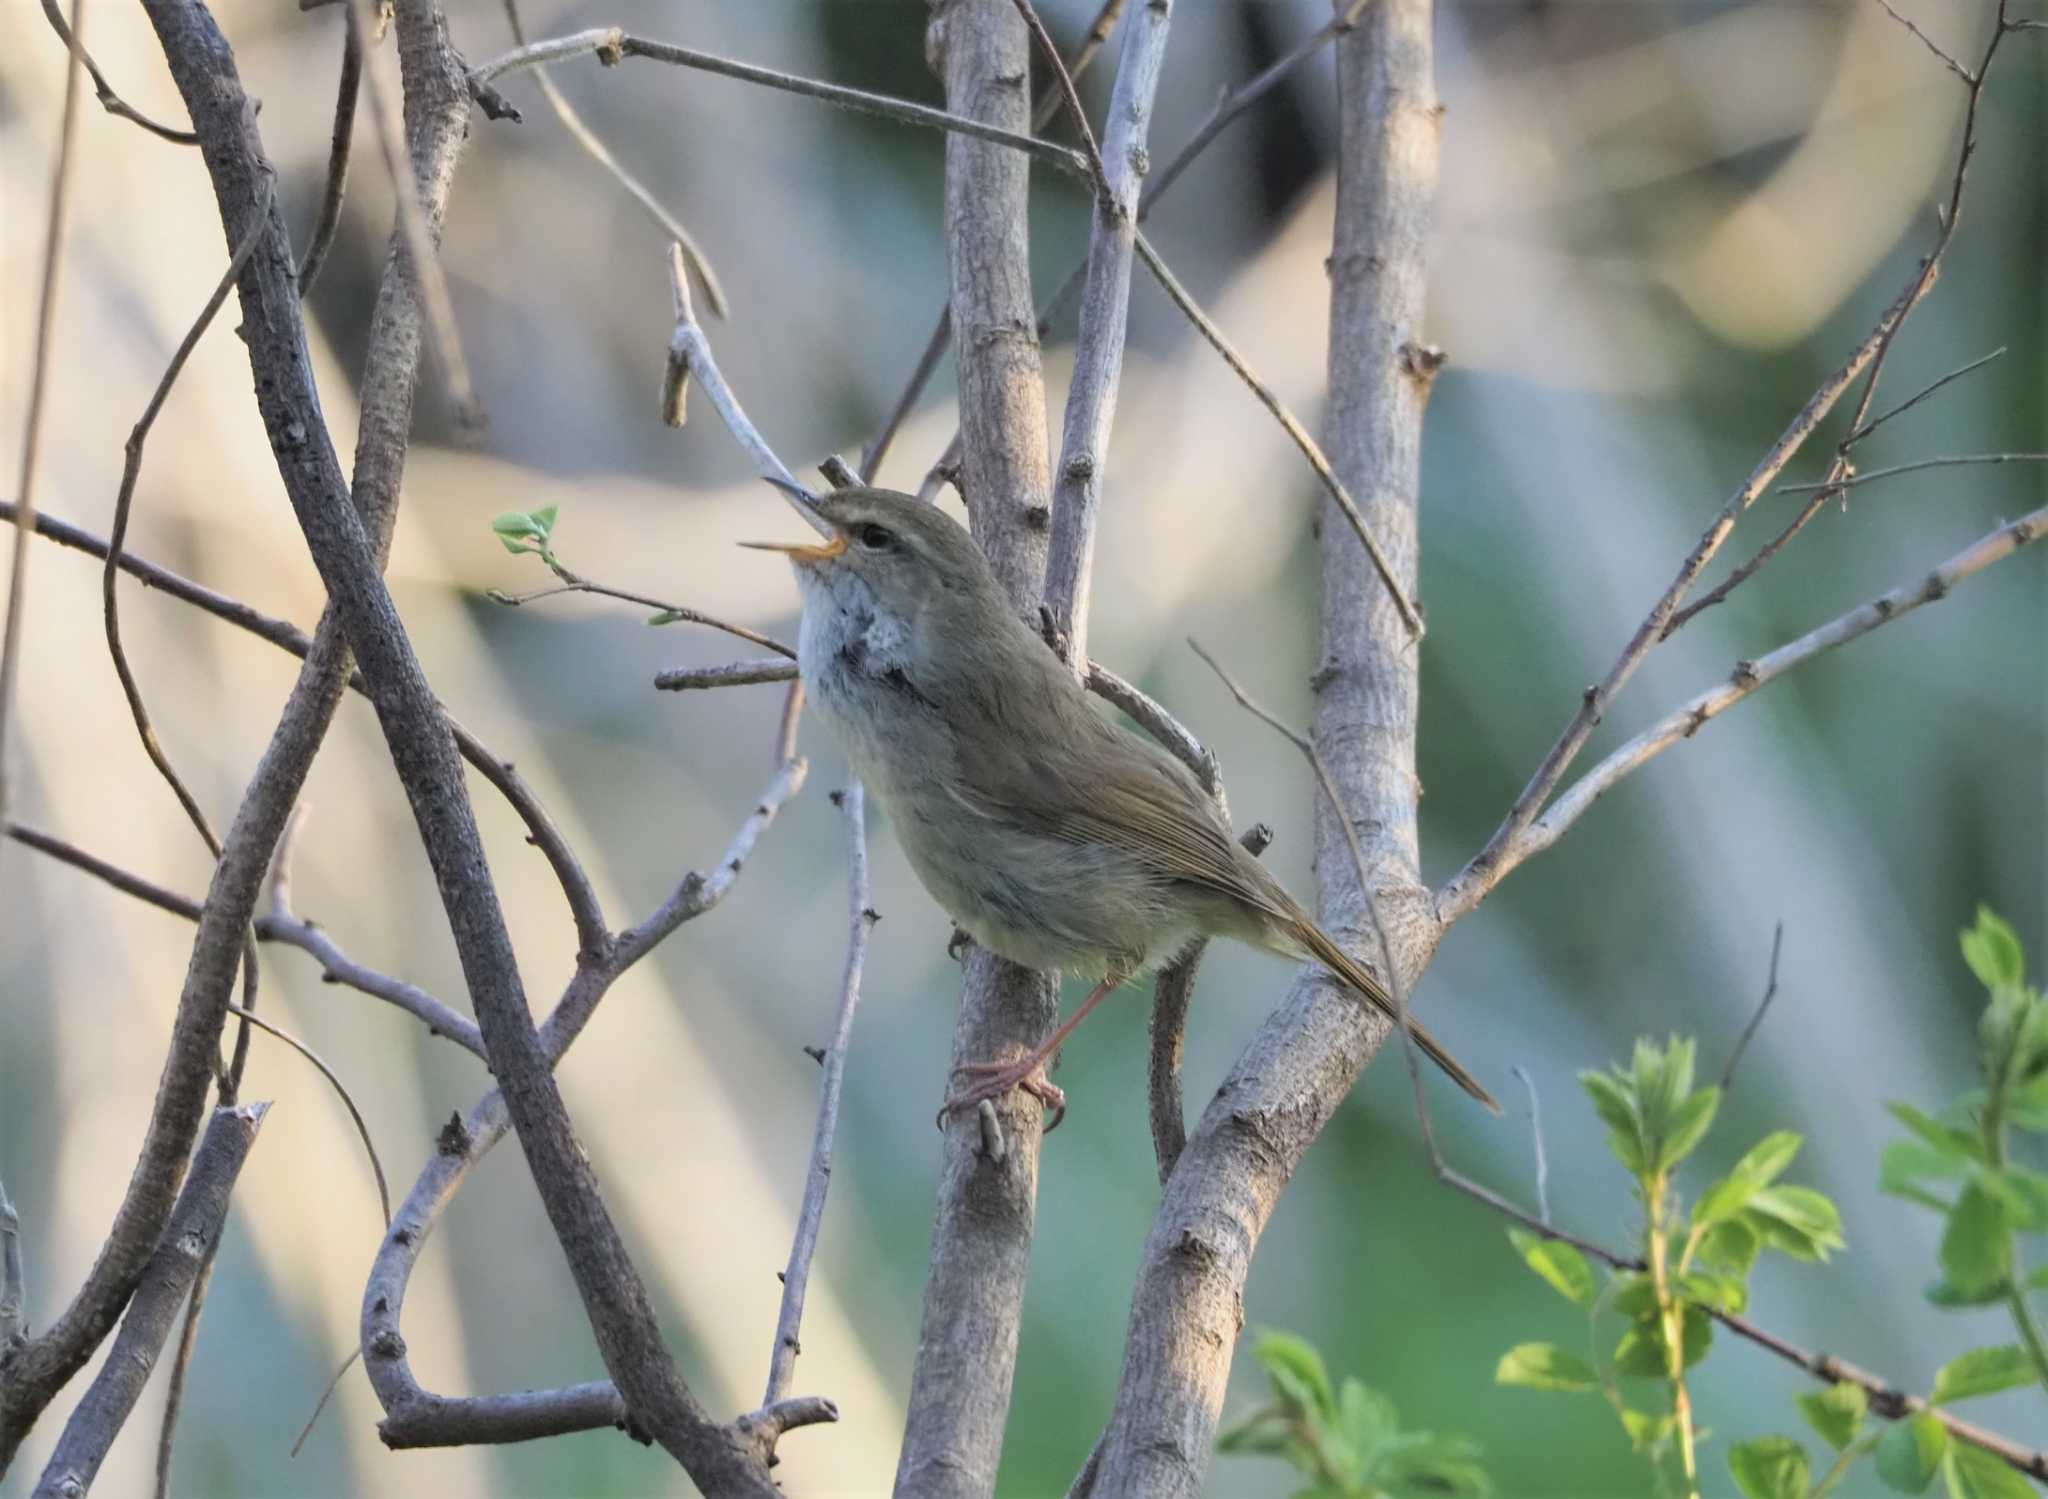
1658,226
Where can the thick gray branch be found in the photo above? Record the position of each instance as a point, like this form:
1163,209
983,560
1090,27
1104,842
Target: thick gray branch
1188,1305
987,1201
1105,313
187,1244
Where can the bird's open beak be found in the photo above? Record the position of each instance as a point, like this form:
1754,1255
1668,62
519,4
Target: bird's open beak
805,504
801,552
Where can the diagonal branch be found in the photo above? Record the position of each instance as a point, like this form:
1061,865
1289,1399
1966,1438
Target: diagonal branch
110,101
1748,676
194,1228
1105,317
796,1277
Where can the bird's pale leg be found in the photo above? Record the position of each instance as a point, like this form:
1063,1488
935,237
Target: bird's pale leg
994,1079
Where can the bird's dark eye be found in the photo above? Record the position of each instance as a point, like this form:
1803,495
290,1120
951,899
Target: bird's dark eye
875,538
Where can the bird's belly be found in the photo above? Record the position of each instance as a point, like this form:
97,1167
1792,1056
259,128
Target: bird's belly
1038,901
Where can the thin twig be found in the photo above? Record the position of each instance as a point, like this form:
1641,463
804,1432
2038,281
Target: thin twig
117,534
437,307
1466,889
734,674
1689,717
1756,1018
1063,82
666,613
1922,394
689,354
340,1088
1928,42
38,382
796,1277
1227,109
1946,460
278,926
591,928
1536,1139
1396,985
594,146
1411,613
1104,319
325,1396
613,45
110,101
341,141
1050,101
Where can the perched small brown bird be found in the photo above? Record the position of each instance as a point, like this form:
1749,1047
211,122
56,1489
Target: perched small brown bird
1053,835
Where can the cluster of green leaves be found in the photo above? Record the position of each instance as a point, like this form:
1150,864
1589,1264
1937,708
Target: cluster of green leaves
1347,1440
528,531
1694,1261
1994,1203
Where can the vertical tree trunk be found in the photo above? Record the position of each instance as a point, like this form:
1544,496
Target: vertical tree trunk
1188,1307
981,1237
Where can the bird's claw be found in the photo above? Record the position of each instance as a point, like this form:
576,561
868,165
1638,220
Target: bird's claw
994,1079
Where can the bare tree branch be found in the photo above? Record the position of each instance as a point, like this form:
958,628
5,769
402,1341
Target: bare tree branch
1689,717
110,101
1465,890
1105,314
194,1228
13,1282
38,383
735,674
1756,1019
1411,614
861,919
1186,1308
986,1206
341,141
613,45
1828,488
280,925
594,147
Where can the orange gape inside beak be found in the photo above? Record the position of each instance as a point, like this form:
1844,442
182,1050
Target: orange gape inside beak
800,551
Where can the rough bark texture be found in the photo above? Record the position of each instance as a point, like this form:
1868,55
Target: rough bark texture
186,1248
423,753
438,107
981,1236
1188,1306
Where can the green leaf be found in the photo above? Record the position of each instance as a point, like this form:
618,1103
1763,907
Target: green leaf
1544,1366
1265,1431
1367,1418
2021,1192
1907,1163
1796,1220
1765,1161
1769,1468
1423,1462
1723,1293
1733,1246
544,518
1941,1293
1836,1413
666,617
1982,1371
2039,1279
1558,1263
1910,1452
1641,1349
1615,1103
1971,1473
2026,1106
1644,1429
1992,949
1634,1295
1689,1122
1976,1251
1946,1139
1297,1372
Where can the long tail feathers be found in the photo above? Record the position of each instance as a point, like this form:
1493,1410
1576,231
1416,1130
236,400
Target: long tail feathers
1324,949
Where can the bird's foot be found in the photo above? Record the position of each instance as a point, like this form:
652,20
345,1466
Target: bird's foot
991,1080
